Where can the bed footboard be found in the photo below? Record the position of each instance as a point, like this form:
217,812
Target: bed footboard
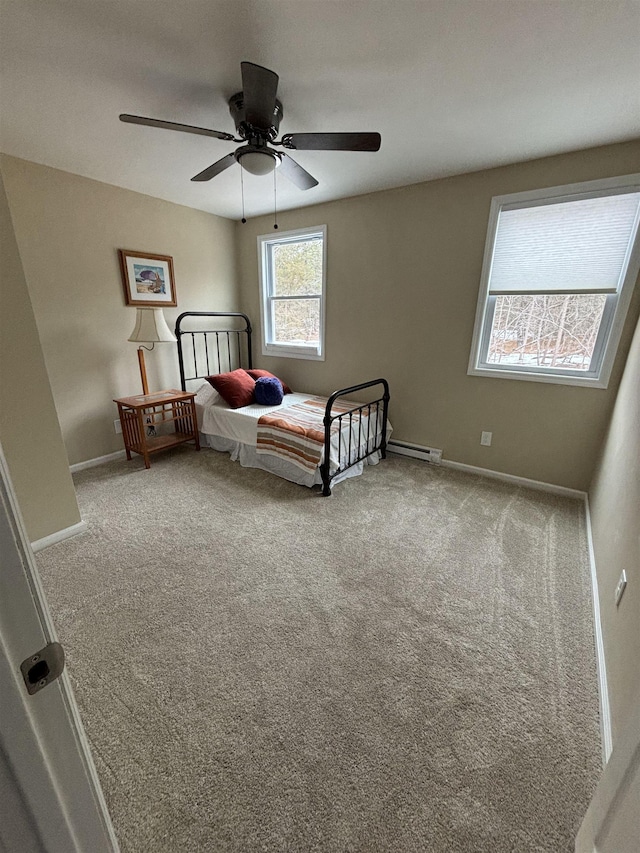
370,438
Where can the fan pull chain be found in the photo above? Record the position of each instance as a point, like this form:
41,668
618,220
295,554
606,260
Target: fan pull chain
242,193
275,201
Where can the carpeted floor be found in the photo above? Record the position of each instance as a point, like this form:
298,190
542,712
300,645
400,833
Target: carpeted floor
405,666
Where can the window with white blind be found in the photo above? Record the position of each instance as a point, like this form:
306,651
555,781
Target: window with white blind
559,270
292,281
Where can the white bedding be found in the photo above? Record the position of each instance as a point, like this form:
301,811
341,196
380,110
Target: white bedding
235,432
218,418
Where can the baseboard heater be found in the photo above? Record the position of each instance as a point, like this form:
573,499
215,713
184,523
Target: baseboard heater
427,454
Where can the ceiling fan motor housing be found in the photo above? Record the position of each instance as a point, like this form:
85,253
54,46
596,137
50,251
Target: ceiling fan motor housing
246,130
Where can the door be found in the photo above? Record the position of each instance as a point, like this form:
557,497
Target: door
50,796
612,821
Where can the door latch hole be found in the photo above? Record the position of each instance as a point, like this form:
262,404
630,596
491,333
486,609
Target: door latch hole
38,672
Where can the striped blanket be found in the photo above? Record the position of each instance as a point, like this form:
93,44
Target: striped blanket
296,433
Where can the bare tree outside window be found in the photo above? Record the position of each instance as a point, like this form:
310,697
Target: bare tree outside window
297,268
297,321
297,272
547,330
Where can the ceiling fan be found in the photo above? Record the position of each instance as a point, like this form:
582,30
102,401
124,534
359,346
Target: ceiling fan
257,113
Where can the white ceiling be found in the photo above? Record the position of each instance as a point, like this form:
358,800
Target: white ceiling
452,86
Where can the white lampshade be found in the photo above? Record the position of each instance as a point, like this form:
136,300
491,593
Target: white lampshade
151,327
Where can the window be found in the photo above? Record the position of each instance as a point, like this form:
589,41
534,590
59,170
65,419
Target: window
292,280
559,269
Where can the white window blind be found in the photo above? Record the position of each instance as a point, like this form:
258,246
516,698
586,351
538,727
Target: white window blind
577,246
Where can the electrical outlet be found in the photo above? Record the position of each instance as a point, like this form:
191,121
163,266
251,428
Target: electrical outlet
485,439
117,425
621,586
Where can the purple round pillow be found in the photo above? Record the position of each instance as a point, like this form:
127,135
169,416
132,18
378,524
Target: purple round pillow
268,391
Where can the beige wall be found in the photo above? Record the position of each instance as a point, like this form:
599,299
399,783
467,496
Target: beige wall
68,230
615,516
403,272
403,275
29,428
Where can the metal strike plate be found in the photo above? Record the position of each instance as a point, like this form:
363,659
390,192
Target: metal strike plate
42,667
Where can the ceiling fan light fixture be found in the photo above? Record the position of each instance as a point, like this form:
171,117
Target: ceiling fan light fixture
261,162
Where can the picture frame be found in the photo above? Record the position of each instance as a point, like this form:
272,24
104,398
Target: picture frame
147,279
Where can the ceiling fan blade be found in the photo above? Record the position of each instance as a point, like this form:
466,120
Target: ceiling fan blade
172,125
296,174
215,168
332,141
259,89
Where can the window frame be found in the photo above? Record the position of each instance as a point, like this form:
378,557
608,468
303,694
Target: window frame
616,305
267,298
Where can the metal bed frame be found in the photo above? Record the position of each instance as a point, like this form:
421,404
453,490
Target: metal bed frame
206,352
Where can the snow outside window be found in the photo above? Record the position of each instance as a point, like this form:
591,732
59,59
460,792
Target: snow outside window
559,269
292,282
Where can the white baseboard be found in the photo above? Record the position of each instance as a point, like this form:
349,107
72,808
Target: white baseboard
601,669
99,460
518,481
59,536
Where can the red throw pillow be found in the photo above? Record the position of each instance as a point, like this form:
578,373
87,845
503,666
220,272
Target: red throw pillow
259,374
235,388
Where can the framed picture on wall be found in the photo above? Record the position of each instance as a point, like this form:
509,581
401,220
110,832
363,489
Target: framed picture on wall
147,279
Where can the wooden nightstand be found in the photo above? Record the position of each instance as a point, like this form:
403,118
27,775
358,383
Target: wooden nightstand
143,421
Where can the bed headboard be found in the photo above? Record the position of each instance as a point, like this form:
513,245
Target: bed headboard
212,342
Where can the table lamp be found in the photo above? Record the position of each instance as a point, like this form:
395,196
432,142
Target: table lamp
150,327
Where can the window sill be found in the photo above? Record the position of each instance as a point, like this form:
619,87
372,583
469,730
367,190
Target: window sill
532,376
283,351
